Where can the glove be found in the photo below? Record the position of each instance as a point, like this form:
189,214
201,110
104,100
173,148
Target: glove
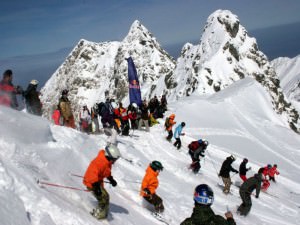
236,171
97,189
147,191
256,196
249,168
112,181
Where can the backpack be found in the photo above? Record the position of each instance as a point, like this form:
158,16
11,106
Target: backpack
193,145
167,122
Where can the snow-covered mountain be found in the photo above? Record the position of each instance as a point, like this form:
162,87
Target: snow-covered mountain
92,69
288,71
233,122
224,55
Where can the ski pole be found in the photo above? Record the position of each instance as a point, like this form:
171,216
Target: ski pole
132,181
76,175
61,186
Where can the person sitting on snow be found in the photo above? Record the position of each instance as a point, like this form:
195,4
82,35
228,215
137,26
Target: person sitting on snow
99,169
272,173
202,212
196,149
150,184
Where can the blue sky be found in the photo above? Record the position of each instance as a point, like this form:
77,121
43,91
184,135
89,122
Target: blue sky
40,26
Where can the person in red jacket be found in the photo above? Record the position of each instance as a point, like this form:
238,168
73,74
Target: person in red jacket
8,92
265,172
272,173
99,169
56,116
150,184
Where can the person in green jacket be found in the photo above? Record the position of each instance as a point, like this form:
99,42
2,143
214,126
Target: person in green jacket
202,212
245,192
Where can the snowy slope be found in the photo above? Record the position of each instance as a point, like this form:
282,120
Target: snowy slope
233,121
288,71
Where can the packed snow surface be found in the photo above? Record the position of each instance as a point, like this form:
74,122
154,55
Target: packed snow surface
233,121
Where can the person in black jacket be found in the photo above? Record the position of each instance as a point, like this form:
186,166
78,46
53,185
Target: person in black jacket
224,173
203,213
245,192
197,149
243,170
32,99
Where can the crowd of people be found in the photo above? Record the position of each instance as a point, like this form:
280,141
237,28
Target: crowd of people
119,120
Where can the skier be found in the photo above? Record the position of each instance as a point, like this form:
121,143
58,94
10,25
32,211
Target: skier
196,149
169,125
245,192
265,172
243,170
32,99
272,173
95,121
99,169
202,212
177,134
150,184
65,110
224,173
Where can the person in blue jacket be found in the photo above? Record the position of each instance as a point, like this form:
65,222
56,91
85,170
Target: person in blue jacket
177,134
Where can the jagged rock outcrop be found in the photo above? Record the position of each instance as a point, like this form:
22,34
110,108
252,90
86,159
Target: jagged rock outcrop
93,69
224,55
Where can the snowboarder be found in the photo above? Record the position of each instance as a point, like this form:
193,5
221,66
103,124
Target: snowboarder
99,169
245,192
8,92
177,134
169,125
150,184
197,149
224,173
243,170
272,173
202,212
65,109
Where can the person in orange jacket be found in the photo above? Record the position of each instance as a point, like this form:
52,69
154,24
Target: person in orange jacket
272,173
169,125
99,169
150,184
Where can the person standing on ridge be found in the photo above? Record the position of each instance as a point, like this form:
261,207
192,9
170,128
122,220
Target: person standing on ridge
150,184
245,192
202,212
99,169
225,173
177,134
243,170
32,99
8,92
65,110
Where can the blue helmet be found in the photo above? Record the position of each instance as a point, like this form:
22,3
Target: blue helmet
204,195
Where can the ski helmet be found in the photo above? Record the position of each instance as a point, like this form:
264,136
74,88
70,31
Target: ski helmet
204,195
245,160
205,142
233,157
34,82
156,165
269,166
134,105
275,165
112,152
183,124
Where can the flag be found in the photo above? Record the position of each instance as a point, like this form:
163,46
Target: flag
134,85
